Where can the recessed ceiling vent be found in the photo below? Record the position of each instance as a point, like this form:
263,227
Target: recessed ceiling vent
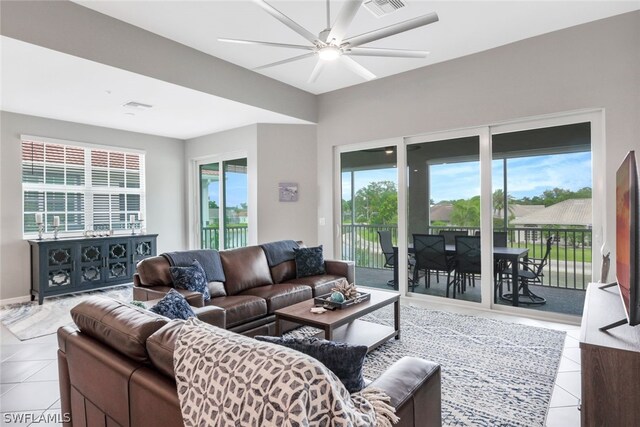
381,8
137,105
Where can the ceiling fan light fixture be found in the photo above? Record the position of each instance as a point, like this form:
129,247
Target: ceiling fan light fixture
329,53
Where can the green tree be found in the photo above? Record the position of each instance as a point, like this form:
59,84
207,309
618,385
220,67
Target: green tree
377,203
213,204
466,213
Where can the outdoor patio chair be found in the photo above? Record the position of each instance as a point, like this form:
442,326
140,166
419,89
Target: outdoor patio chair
387,249
430,255
450,236
532,273
386,245
467,261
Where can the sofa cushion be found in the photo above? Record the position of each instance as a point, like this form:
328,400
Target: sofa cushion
192,278
344,360
281,295
321,284
309,261
160,346
174,306
119,325
245,268
216,289
284,271
241,308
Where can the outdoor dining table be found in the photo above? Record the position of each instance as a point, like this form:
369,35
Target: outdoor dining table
513,255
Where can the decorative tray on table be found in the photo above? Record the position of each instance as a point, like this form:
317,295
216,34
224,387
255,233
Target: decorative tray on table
326,302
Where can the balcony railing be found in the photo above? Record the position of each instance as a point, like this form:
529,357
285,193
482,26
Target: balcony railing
569,263
234,237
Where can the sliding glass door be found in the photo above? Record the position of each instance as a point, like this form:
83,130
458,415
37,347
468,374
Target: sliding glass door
223,204
369,214
499,216
443,211
542,192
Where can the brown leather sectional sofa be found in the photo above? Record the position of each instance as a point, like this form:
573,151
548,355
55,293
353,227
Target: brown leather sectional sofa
116,369
254,290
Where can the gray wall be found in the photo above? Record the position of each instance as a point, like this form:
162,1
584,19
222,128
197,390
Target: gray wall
165,185
588,66
287,153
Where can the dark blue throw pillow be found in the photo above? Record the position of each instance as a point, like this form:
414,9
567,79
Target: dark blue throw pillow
174,306
343,359
191,278
309,261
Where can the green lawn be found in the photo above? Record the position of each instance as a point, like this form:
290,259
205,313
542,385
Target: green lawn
558,253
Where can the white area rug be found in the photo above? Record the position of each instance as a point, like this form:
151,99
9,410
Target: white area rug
30,320
494,373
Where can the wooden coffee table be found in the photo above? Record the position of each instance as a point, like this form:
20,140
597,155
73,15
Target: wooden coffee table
344,325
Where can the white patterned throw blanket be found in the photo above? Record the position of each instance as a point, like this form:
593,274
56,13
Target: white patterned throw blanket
227,379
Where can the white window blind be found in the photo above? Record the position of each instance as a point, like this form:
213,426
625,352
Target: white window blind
88,188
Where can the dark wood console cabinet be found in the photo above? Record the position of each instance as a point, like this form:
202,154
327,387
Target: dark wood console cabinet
610,362
63,266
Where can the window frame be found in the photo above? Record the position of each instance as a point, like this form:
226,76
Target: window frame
87,189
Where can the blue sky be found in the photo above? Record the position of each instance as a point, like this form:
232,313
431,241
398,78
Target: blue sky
528,176
236,189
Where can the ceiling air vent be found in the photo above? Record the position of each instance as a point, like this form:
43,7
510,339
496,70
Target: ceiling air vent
383,7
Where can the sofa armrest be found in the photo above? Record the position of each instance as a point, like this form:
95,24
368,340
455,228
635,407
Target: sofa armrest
212,315
341,268
413,385
146,293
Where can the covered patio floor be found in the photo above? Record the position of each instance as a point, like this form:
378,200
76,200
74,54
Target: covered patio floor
559,300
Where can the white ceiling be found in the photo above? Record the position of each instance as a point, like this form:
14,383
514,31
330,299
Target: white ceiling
42,82
465,27
46,83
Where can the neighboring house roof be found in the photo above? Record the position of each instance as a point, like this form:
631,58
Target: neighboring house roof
523,210
441,212
568,212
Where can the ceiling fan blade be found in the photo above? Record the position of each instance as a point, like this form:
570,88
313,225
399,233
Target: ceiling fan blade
344,19
316,70
287,21
285,61
357,68
395,53
392,29
291,46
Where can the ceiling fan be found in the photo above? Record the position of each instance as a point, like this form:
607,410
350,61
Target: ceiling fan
331,44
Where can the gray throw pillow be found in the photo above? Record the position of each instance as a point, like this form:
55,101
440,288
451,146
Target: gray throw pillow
174,306
192,278
309,261
344,360
216,289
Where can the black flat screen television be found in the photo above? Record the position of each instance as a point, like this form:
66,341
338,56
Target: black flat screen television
627,240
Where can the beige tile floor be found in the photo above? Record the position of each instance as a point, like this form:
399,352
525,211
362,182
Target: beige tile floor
29,375
28,380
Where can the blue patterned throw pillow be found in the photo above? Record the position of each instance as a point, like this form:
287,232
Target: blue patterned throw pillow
344,360
309,261
191,278
174,306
